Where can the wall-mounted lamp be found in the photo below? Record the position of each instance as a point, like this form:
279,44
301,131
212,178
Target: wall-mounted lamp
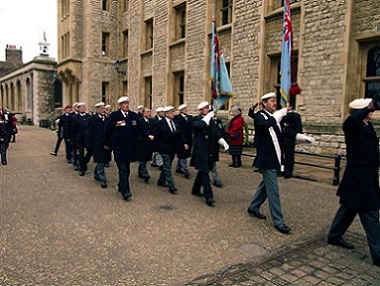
117,68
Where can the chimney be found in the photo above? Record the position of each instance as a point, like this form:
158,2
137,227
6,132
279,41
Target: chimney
13,55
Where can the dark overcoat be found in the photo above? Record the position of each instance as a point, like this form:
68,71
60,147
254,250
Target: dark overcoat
266,157
359,188
206,147
64,126
293,119
186,128
166,141
121,135
95,136
144,144
78,125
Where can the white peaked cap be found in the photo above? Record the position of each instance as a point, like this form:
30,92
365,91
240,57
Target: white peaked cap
123,99
203,104
99,104
168,108
269,95
182,106
360,103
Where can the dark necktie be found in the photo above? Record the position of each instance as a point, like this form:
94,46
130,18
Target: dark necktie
173,126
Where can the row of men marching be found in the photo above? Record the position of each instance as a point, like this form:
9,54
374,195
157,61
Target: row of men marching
135,136
8,131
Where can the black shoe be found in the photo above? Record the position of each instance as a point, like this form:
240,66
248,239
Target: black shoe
140,176
218,184
69,162
96,178
179,171
76,168
162,184
231,165
376,262
107,165
283,228
154,165
53,153
127,196
210,202
103,185
256,214
187,176
236,166
4,162
340,242
197,194
173,190
81,173
146,179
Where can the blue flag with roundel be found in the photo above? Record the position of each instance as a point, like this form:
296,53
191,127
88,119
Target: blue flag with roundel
286,51
220,81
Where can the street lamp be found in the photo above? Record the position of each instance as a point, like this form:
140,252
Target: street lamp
117,68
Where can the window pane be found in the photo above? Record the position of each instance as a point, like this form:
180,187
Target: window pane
373,62
372,90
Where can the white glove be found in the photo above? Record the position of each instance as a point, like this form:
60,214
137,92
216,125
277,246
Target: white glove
208,117
300,138
279,114
223,143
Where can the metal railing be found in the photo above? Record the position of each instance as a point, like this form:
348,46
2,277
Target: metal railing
336,168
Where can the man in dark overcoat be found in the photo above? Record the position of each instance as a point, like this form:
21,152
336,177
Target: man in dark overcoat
185,124
78,136
63,133
121,138
144,144
95,134
167,139
359,189
291,121
74,149
206,135
5,134
268,141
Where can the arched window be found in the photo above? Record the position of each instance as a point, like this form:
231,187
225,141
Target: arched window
19,106
29,95
57,91
372,79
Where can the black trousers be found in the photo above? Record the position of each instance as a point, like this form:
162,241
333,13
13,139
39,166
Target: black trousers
124,172
289,159
370,222
203,179
83,158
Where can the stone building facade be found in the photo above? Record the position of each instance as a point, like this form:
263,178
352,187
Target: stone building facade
158,53
33,90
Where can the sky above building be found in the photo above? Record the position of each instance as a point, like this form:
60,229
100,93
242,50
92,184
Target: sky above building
23,23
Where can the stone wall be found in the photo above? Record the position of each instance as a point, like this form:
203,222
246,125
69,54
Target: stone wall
325,34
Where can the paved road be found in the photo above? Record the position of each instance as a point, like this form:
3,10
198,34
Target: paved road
61,229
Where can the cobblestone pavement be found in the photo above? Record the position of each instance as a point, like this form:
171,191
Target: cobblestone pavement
58,228
312,263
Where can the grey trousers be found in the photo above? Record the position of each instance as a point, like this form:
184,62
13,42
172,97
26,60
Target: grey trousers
166,171
370,222
99,173
268,188
182,166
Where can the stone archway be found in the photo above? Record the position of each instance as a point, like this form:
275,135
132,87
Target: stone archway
19,101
